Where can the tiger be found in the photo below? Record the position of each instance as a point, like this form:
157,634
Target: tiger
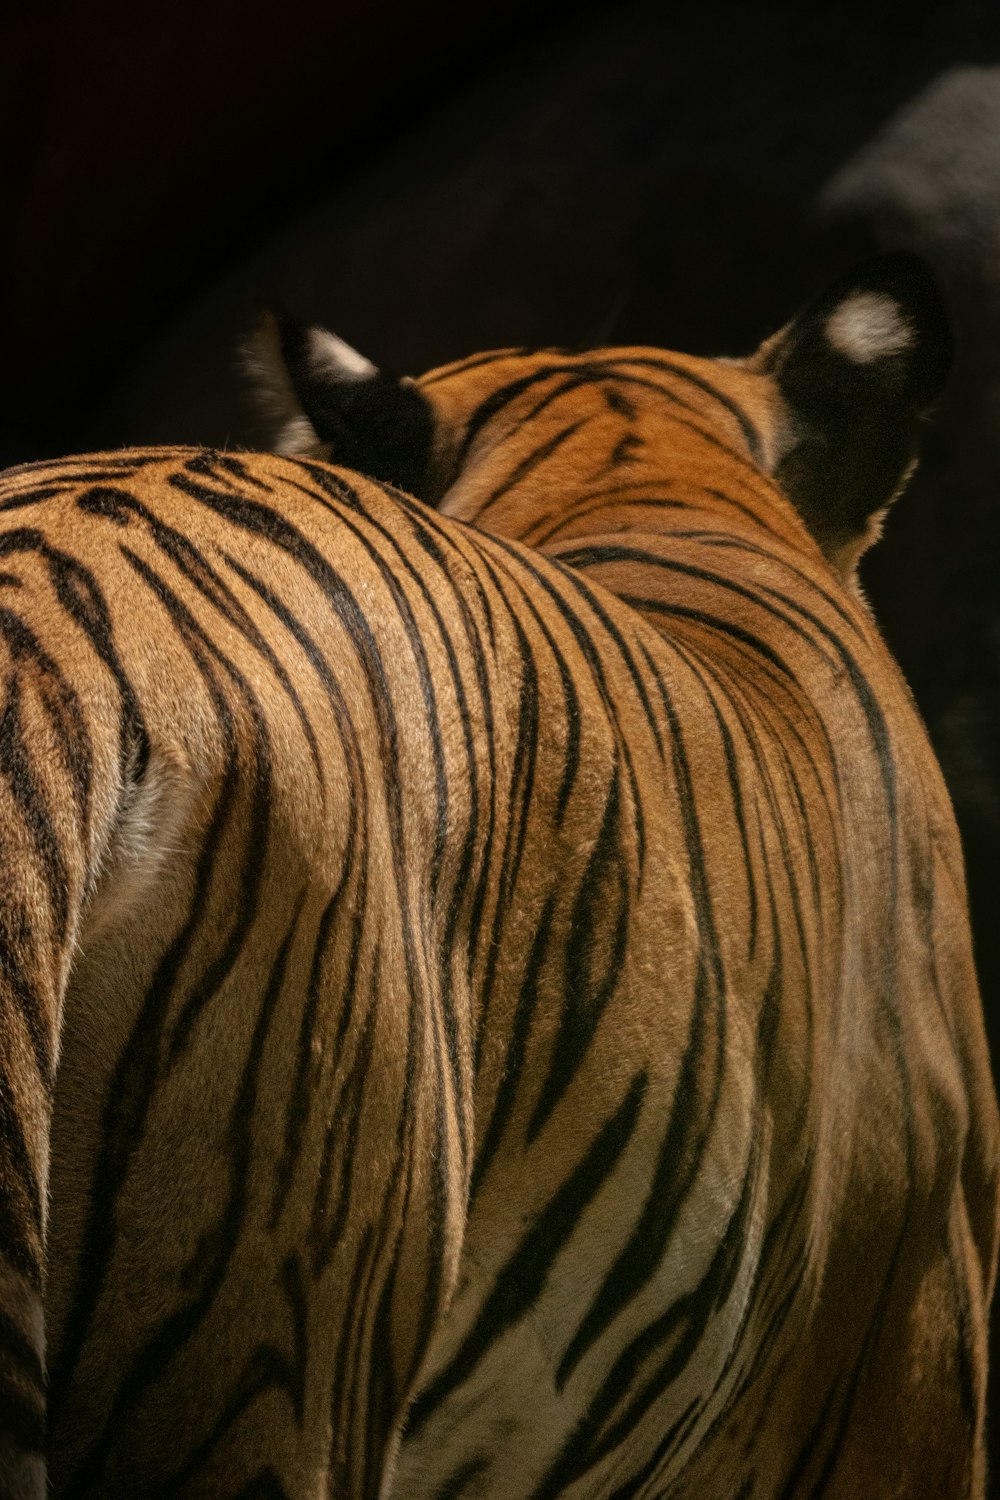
487,1005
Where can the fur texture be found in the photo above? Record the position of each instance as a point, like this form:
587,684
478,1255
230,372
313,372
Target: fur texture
487,1005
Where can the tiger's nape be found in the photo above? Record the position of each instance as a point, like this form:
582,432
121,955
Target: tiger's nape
834,421
487,1005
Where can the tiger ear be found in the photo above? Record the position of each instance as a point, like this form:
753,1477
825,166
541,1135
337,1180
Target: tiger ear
855,370
326,399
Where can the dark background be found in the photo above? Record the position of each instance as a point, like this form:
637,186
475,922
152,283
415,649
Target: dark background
431,180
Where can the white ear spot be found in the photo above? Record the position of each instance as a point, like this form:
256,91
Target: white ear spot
298,438
868,326
329,353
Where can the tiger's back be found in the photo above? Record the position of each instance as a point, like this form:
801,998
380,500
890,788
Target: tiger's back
508,965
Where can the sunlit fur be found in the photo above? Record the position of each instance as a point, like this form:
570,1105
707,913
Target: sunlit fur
511,956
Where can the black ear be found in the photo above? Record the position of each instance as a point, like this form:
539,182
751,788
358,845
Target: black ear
855,371
328,398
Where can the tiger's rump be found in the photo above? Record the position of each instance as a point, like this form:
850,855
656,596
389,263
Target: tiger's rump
258,974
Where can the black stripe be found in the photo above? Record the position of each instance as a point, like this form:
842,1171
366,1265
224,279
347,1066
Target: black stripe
133,1085
683,372
517,1048
516,824
464,1475
572,517
18,947
537,571
267,1370
203,1277
31,803
61,705
519,1283
527,465
681,1327
343,1112
609,369
602,900
78,592
435,738
305,1077
864,693
474,362
120,506
21,1198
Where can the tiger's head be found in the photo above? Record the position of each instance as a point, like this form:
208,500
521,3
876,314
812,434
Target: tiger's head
812,436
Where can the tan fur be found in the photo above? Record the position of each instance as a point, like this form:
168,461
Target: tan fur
508,975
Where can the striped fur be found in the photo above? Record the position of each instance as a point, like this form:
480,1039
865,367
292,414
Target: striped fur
502,967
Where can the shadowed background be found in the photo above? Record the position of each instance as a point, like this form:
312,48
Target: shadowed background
434,180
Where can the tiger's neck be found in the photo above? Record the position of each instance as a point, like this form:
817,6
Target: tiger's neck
565,486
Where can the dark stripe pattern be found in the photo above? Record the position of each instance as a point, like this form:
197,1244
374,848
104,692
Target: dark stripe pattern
484,990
